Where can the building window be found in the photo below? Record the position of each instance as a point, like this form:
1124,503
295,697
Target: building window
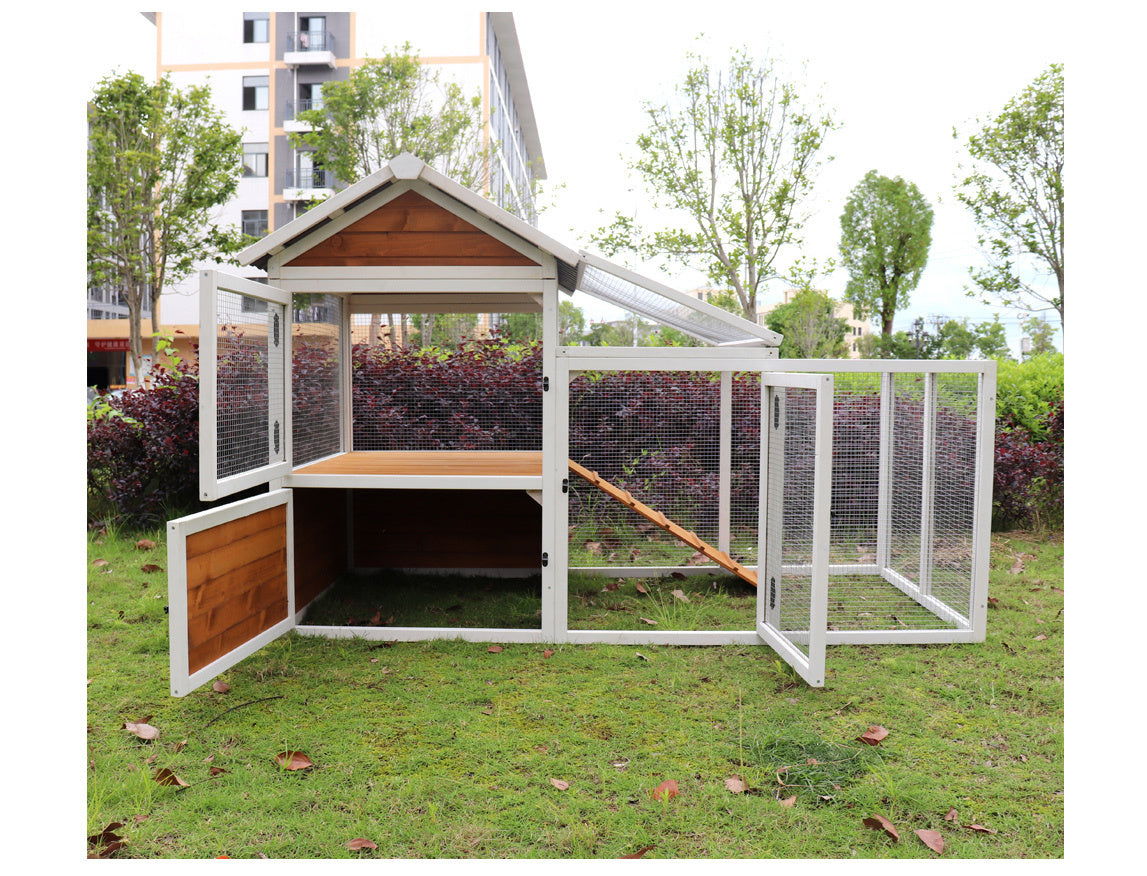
256,27
310,96
254,159
255,223
313,33
256,92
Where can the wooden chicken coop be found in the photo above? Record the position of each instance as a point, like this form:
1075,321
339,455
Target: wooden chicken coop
853,496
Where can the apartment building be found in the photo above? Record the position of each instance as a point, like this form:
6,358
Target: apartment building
264,68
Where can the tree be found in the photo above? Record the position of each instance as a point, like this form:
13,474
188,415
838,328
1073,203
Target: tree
390,105
1015,193
1040,334
886,231
810,327
160,161
733,159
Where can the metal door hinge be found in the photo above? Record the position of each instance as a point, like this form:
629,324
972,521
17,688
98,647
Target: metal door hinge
565,485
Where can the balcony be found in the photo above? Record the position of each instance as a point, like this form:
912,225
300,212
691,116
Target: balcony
291,122
308,185
308,48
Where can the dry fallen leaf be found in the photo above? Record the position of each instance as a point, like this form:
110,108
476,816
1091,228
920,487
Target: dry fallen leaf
680,594
560,784
872,735
668,789
359,843
736,785
789,802
221,687
646,620
879,822
638,853
1017,566
951,816
167,777
495,649
293,760
143,731
548,653
932,840
979,828
640,587
145,544
107,842
99,562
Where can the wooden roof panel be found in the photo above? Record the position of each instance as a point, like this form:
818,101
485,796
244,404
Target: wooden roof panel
410,230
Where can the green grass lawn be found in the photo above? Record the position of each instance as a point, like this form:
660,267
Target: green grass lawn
449,750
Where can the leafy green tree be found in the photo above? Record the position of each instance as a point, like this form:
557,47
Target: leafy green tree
1041,335
1015,193
390,105
991,340
886,231
160,161
571,323
732,159
810,327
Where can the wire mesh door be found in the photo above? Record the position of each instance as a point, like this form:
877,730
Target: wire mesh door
244,384
796,492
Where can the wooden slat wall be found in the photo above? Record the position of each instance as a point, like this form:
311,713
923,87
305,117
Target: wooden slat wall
320,541
410,230
447,529
236,583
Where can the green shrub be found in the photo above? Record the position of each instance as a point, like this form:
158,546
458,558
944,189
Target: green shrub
1026,392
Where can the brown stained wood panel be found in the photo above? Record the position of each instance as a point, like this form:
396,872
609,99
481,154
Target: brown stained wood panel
410,231
453,463
236,583
447,529
320,541
204,653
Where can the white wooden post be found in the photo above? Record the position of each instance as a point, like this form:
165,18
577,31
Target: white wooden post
724,489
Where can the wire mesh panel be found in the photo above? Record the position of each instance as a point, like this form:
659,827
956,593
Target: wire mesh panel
469,394
243,384
316,377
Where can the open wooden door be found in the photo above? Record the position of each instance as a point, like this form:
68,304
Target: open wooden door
796,492
230,585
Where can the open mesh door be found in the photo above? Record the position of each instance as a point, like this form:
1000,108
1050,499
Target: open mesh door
244,380
796,491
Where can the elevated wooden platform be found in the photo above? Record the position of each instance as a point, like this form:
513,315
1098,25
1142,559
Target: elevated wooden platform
448,463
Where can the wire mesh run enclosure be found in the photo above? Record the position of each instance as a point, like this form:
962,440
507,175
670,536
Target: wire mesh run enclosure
907,518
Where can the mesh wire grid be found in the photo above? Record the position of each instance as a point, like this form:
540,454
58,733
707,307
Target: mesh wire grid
251,409
316,367
461,393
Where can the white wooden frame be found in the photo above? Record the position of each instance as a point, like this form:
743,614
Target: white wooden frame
211,486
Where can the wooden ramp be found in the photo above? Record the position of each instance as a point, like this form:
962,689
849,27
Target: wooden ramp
721,558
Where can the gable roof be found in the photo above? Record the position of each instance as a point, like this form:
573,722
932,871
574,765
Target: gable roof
591,274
